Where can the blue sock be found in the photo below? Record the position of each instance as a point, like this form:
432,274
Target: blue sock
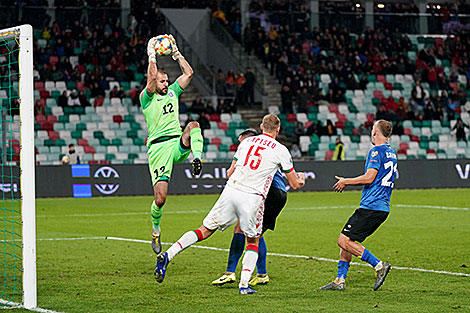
369,258
343,268
262,251
236,250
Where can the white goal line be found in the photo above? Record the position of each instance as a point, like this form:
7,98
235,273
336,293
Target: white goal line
269,253
15,305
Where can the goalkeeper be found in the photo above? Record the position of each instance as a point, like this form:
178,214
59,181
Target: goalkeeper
167,143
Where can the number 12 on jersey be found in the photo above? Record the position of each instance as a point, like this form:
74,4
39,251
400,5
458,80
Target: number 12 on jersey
254,166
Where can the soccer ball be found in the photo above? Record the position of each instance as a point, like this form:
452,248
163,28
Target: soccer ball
65,159
163,45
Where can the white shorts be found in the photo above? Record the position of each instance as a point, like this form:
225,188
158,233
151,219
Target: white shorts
234,205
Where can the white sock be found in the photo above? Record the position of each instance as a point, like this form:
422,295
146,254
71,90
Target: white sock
155,232
249,263
379,266
185,241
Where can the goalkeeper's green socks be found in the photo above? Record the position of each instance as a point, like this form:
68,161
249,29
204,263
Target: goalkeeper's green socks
156,215
196,142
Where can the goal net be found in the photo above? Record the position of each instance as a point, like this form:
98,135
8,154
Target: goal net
17,179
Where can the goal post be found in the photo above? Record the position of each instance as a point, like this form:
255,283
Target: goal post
17,166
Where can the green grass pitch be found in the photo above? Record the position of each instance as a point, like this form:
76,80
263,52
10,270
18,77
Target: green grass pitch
424,230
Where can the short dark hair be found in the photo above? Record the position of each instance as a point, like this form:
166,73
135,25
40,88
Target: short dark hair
71,145
248,132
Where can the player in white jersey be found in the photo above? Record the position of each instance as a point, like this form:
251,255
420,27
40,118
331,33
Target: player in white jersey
250,175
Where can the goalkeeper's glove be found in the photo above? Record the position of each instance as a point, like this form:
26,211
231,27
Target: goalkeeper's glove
151,50
175,53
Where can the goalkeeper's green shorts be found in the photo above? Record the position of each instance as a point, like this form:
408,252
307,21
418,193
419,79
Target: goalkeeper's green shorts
163,155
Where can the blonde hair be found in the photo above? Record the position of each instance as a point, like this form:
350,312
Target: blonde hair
385,128
270,123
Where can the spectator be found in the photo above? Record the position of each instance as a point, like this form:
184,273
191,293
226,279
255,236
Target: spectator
73,99
398,129
63,99
295,152
299,130
249,87
338,154
417,93
330,128
197,106
203,121
302,101
83,100
363,130
286,98
460,127
71,157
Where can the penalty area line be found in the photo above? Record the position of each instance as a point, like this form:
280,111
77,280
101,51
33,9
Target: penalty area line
300,257
15,305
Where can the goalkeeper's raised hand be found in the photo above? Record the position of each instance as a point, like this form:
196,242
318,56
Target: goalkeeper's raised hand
151,50
175,53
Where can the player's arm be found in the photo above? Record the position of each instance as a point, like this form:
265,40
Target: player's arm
296,180
152,67
186,69
364,179
231,169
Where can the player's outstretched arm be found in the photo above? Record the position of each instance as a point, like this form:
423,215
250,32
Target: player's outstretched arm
152,67
296,180
187,70
364,179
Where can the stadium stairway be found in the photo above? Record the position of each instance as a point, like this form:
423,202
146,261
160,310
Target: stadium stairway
173,70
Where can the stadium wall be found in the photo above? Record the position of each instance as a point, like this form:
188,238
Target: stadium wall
129,180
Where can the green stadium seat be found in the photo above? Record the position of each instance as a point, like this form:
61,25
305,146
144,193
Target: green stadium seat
64,119
116,142
60,142
138,141
133,156
76,134
132,134
104,142
98,134
110,156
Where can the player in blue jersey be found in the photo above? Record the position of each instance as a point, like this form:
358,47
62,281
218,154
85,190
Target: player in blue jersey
378,181
275,202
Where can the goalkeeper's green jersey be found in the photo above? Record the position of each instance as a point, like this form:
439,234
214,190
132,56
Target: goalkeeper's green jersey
162,113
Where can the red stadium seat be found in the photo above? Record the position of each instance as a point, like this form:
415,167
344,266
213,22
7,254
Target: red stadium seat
41,119
53,60
388,86
53,134
52,119
47,126
414,138
39,86
381,78
407,131
117,119
292,117
339,124
342,117
216,141
378,94
215,117
404,146
333,108
370,117
329,155
93,162
89,149
81,86
233,147
222,125
82,142
431,151
44,94
307,124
